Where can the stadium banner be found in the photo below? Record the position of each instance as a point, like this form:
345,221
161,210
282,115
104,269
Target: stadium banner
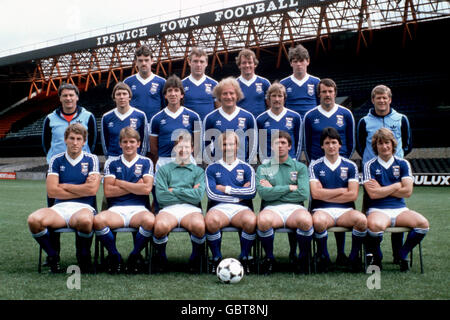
426,179
7,176
183,24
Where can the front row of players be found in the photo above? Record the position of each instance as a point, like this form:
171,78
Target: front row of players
283,184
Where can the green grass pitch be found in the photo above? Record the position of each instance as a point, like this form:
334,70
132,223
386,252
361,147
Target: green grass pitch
20,280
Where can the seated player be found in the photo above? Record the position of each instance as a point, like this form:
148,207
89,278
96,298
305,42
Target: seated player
230,185
334,187
127,185
388,180
180,186
282,184
73,180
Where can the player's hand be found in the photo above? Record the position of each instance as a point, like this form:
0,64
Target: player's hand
265,183
170,189
293,187
372,183
140,180
247,184
196,186
221,188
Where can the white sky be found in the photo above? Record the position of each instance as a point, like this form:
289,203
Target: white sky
41,23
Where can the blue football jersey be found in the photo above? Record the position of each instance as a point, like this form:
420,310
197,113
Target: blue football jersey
198,95
268,122
74,171
235,176
254,91
113,121
167,125
318,119
120,168
240,121
147,93
387,173
333,176
301,95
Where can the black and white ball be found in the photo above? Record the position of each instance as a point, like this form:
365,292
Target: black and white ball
230,270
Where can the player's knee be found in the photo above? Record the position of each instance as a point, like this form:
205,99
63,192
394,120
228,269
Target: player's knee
198,229
375,226
212,223
85,221
249,222
360,222
99,222
319,223
161,228
423,223
264,222
33,221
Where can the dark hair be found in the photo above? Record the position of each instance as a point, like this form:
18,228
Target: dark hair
327,83
173,82
76,128
68,86
121,86
330,132
143,51
285,135
298,53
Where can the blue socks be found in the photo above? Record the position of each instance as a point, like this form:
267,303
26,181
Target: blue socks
414,237
267,238
214,243
197,246
160,246
109,241
357,241
321,240
304,242
141,240
246,243
43,238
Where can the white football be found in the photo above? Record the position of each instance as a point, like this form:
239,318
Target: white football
230,270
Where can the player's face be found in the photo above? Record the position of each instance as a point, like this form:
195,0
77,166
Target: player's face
174,96
122,98
327,96
74,143
198,65
276,100
331,146
384,148
229,147
299,67
281,147
68,100
183,151
247,67
129,146
382,103
228,97
144,64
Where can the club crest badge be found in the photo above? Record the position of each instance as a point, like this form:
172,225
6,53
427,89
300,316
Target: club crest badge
344,173
84,168
311,89
185,120
133,123
241,123
138,170
154,88
339,120
396,171
289,122
240,175
293,175
259,89
208,88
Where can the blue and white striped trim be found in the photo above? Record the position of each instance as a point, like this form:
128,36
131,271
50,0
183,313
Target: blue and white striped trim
358,233
248,236
160,240
307,233
39,234
265,234
145,233
213,236
85,235
197,239
320,235
375,234
102,232
421,230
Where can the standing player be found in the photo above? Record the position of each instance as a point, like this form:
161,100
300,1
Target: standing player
230,117
301,88
198,87
388,180
123,115
146,87
334,184
73,180
253,87
283,186
383,116
180,186
276,119
230,186
329,114
127,185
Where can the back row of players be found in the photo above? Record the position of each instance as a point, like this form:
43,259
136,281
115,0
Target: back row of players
247,91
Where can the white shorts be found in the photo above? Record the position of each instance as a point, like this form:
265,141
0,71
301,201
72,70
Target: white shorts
335,213
68,208
179,211
285,210
127,212
230,209
391,213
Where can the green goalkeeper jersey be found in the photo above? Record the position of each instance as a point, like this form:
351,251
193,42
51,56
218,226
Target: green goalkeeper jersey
182,180
280,176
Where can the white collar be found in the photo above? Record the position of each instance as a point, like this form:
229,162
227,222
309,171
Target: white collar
75,161
145,81
229,167
385,164
131,163
248,83
227,116
330,165
174,115
326,113
277,117
125,115
197,82
300,82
